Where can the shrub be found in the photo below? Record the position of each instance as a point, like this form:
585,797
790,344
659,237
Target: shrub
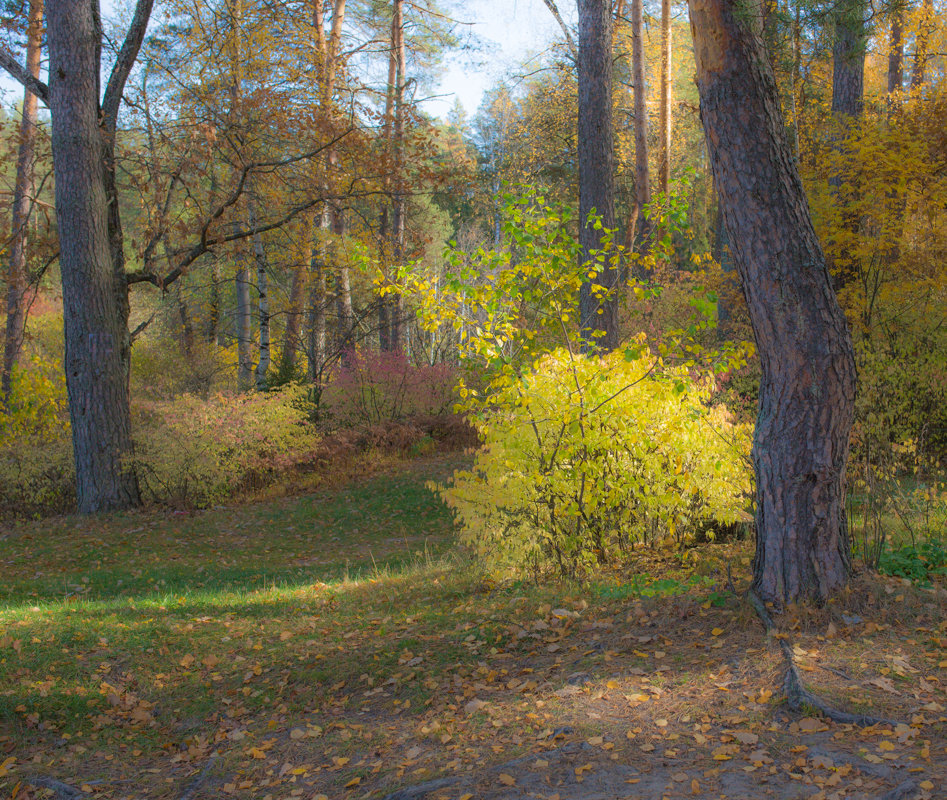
195,452
36,466
585,457
375,388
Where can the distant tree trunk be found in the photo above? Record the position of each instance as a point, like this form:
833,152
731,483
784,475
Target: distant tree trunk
95,289
343,295
294,318
398,133
316,338
212,331
666,119
184,316
848,58
640,228
22,206
922,44
244,325
263,308
807,391
896,52
598,301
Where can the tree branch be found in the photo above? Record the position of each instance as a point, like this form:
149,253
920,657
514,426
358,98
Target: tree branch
18,72
551,5
124,63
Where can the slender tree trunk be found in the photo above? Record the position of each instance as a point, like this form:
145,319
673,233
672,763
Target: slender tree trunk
398,133
343,297
640,229
294,317
598,301
896,53
22,202
212,331
244,325
666,120
807,391
263,300
922,44
95,291
316,338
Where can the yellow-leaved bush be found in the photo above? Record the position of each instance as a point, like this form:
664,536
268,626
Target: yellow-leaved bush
192,451
36,467
585,456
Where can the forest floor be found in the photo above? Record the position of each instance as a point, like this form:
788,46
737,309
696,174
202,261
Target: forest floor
340,645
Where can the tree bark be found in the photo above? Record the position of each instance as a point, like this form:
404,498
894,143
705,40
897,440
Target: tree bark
665,119
640,229
848,58
95,291
807,390
399,204
598,301
294,316
22,205
922,44
316,336
896,53
244,325
263,300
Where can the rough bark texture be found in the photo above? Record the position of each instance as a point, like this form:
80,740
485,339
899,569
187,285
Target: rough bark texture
598,314
848,58
641,228
316,334
398,200
95,293
294,314
244,325
807,390
22,202
896,52
665,119
263,301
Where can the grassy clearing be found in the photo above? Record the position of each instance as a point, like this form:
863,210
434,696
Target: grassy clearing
338,644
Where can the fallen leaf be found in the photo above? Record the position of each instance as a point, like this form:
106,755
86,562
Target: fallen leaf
507,780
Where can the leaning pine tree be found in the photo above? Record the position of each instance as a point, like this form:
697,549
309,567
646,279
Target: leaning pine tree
807,391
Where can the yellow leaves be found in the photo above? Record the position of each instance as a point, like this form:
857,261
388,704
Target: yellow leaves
6,765
187,661
507,779
716,632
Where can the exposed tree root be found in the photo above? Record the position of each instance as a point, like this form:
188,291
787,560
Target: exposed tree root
62,791
797,695
421,789
903,791
195,784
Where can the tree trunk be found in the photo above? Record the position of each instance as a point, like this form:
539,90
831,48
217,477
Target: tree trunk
22,205
848,58
294,317
922,44
316,338
666,120
398,201
598,301
95,291
896,53
807,391
641,228
244,326
263,301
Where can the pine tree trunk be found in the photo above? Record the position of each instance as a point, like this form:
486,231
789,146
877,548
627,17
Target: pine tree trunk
316,318
22,203
896,53
848,58
640,229
922,44
807,391
95,291
398,204
598,301
665,117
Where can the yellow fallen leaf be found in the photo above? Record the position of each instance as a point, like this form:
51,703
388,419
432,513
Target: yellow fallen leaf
926,785
886,745
595,741
5,766
716,631
353,783
256,752
187,661
284,635
297,733
507,780
695,786
467,796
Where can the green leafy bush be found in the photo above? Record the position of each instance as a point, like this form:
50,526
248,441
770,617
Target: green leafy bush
585,457
195,452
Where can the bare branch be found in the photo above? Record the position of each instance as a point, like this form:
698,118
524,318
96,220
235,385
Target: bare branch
124,63
17,71
551,5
